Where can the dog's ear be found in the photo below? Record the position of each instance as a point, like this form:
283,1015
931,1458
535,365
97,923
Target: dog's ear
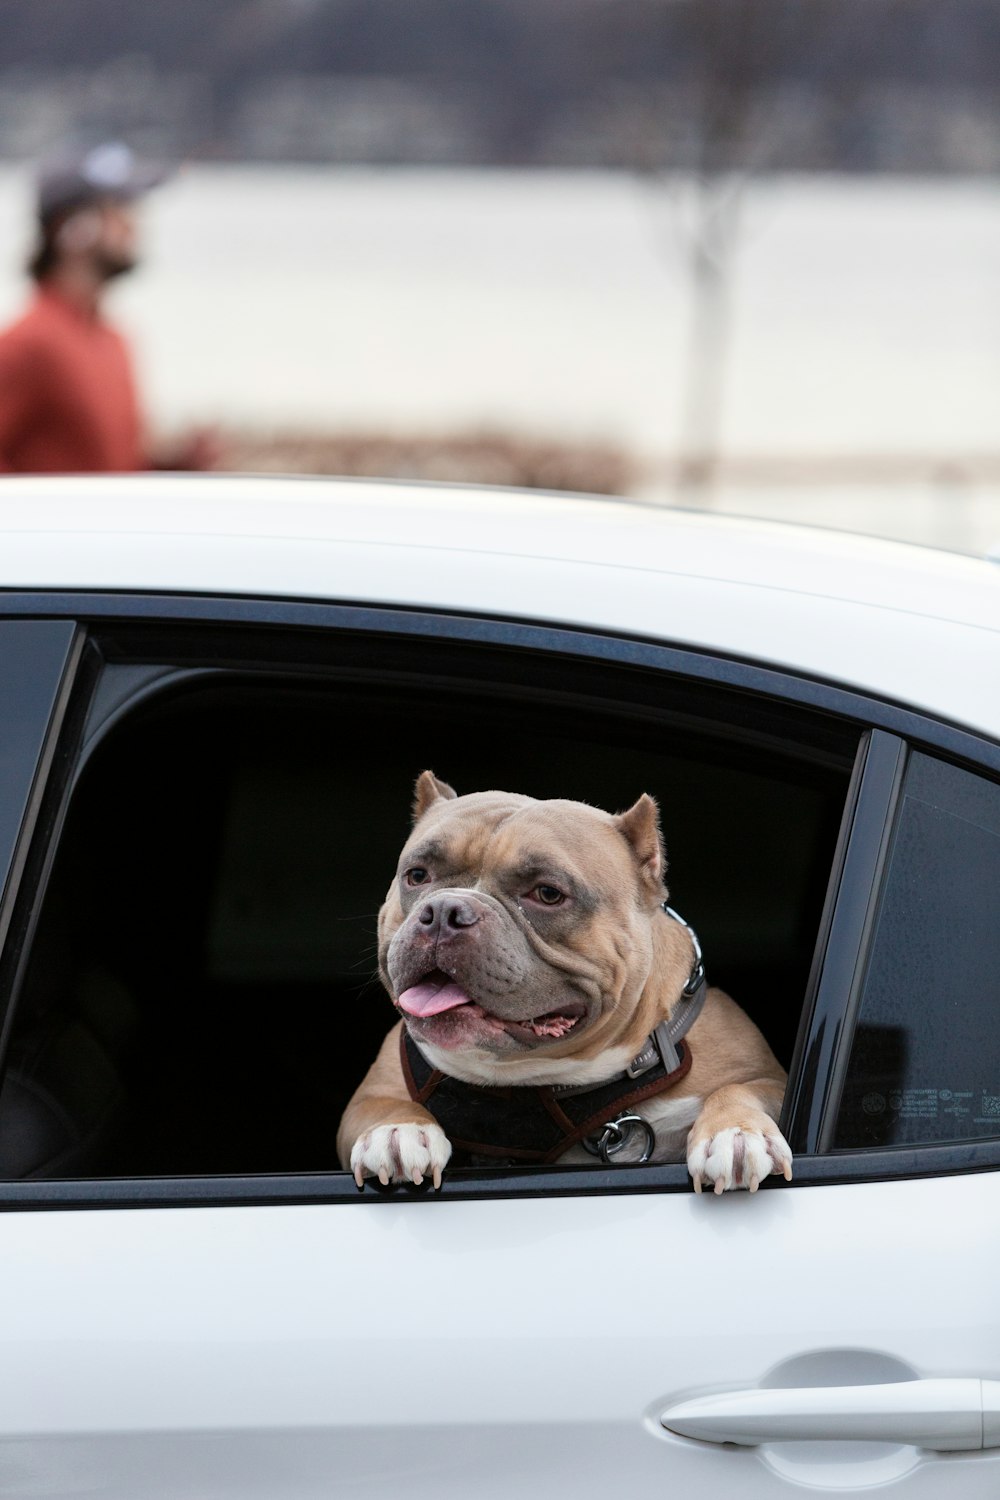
429,790
641,827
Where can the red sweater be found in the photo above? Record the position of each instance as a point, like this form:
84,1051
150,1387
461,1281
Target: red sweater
67,395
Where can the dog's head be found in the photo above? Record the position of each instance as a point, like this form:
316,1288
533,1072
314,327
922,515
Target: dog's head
522,940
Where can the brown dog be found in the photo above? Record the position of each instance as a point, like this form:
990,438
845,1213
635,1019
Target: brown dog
527,947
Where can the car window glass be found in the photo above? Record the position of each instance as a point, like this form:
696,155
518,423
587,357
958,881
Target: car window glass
33,656
925,1061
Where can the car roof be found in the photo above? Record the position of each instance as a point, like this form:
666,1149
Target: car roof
906,623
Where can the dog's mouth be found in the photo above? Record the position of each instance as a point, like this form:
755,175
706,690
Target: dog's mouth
438,1000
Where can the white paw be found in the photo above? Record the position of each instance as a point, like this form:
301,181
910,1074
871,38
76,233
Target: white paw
401,1153
736,1158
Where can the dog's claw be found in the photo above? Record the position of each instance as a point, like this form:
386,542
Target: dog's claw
404,1153
738,1156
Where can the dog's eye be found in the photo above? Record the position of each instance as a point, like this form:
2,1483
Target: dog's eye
417,875
549,895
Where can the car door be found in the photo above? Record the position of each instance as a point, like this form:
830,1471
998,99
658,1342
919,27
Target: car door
546,1331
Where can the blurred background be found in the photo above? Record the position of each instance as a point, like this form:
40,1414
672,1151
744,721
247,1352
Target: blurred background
734,254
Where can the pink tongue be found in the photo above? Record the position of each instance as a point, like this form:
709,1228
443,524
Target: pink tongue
428,998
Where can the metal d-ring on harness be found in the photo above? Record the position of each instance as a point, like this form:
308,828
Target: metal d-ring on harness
660,1046
617,1134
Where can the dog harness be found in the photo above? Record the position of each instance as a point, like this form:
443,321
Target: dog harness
536,1123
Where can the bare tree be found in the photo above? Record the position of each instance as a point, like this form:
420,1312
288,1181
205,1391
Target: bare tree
740,53
736,48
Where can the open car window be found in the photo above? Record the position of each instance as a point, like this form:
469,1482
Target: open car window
199,995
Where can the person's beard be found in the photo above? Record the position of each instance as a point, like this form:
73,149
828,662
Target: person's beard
110,264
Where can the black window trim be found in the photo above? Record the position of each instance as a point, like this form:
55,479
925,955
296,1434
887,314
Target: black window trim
819,1066
840,1169
974,748
40,818
826,1031
69,649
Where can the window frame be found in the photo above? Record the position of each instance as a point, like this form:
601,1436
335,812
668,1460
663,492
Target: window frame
886,730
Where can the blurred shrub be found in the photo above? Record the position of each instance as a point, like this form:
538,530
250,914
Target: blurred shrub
471,458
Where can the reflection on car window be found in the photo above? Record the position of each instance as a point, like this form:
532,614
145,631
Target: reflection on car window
925,1065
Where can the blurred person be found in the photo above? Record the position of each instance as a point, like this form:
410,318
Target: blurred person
68,399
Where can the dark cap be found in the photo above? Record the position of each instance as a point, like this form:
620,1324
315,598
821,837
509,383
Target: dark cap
110,170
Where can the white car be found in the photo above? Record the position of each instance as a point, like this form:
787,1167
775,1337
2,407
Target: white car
215,695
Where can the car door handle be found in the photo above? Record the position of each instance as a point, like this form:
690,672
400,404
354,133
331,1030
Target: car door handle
939,1414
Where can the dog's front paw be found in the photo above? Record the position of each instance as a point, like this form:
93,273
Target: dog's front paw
738,1158
401,1153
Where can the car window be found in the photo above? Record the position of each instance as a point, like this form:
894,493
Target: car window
201,993
33,659
925,1059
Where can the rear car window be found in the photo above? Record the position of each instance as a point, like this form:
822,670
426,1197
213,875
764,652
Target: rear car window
925,1060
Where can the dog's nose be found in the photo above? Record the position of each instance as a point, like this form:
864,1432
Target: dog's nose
447,912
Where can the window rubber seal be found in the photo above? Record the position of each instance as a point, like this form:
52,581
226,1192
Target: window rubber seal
875,1167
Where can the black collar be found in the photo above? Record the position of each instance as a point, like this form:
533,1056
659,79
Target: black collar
661,1046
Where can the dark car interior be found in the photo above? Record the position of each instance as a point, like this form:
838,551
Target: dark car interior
202,995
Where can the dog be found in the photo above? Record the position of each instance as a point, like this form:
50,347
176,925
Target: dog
543,987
